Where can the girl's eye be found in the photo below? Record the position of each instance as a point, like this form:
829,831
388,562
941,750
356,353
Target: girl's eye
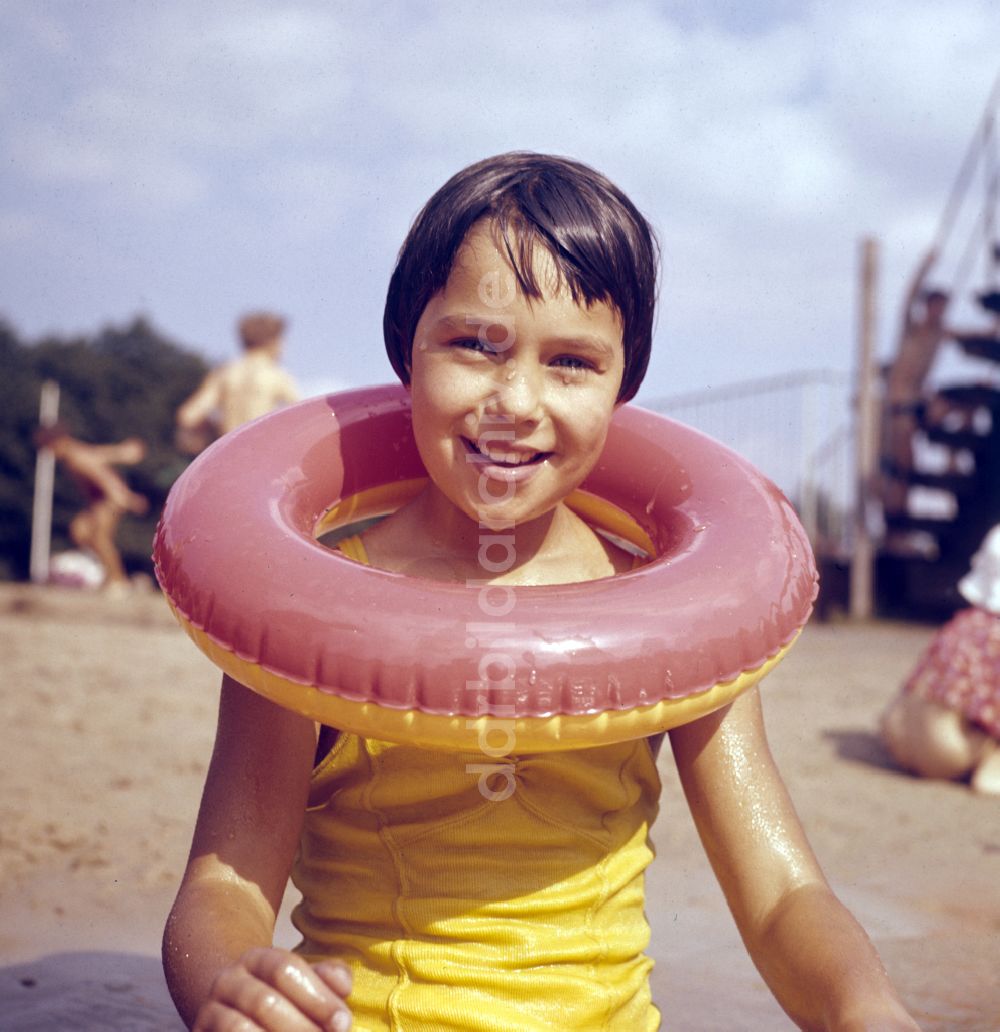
474,344
571,362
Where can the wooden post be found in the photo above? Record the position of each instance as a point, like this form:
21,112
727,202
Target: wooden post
866,417
45,471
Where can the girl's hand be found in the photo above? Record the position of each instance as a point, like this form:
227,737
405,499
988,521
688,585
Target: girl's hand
275,990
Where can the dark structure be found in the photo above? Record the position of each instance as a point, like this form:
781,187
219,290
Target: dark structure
965,420
922,559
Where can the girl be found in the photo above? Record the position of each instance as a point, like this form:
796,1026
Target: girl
520,316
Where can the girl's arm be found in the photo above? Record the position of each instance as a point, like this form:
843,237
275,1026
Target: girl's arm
217,952
816,959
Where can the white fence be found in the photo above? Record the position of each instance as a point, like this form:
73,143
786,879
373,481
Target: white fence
798,429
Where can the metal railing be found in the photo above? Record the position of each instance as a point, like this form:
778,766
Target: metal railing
798,429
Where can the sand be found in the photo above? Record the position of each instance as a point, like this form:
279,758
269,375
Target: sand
108,729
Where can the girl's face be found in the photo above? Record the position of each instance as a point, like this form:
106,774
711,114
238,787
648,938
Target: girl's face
512,396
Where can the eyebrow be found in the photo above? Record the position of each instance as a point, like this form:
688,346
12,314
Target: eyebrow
591,343
463,324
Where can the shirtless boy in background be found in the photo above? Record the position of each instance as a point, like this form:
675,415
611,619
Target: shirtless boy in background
241,390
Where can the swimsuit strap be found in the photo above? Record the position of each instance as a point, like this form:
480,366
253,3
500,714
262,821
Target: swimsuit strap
601,515
353,547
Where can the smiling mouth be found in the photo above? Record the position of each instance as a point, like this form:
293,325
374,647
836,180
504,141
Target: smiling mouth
503,457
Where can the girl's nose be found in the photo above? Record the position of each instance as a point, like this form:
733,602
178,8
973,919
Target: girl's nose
519,389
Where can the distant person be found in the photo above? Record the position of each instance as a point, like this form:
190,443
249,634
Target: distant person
107,496
921,335
946,721
241,390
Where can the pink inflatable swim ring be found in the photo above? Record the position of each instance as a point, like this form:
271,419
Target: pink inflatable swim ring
730,584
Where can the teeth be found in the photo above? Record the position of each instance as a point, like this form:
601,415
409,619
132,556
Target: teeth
507,458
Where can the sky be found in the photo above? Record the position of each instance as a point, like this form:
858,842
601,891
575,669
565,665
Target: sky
187,162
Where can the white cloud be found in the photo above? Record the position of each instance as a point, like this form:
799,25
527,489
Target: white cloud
196,155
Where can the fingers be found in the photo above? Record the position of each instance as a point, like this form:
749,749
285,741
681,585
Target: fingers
336,975
276,991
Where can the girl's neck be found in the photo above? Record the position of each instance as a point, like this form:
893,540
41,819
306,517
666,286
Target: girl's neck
432,537
450,530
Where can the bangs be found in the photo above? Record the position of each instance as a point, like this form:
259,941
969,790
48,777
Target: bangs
520,239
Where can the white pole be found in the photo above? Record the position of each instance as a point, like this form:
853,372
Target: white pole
863,557
45,471
809,503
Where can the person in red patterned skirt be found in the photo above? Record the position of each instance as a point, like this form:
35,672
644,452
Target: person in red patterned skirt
946,721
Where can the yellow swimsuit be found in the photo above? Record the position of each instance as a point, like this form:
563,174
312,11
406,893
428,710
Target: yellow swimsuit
461,913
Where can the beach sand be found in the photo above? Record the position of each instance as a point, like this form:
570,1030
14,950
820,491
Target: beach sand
109,723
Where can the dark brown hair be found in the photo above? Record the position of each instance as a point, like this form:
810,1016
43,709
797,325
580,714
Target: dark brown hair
603,248
258,329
